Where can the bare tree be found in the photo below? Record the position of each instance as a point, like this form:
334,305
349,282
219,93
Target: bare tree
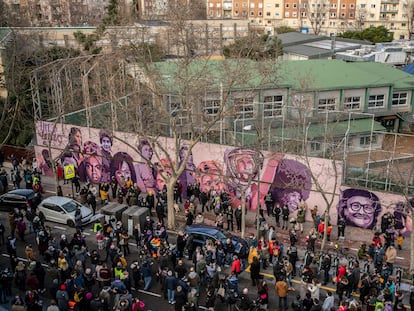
317,12
408,6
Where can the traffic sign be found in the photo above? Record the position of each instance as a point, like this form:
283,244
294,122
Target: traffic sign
69,171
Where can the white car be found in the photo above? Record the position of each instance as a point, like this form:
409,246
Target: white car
62,210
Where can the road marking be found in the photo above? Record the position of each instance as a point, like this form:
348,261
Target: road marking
23,259
149,293
86,233
133,244
59,228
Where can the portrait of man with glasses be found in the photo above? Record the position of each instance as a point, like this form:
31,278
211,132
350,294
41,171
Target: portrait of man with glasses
359,208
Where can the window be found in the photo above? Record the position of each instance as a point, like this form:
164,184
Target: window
351,15
333,14
276,5
294,14
211,4
260,14
343,15
236,5
287,5
351,6
315,146
244,4
376,101
176,109
366,140
372,6
352,103
245,107
295,5
218,4
267,13
252,5
211,107
363,6
272,106
343,6
326,104
260,5
286,14
251,13
399,99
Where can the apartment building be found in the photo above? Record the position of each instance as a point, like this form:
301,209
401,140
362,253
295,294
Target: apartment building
316,16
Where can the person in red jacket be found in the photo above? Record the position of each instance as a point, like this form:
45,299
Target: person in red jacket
236,266
341,273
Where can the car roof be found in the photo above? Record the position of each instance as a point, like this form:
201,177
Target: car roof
57,200
209,230
22,192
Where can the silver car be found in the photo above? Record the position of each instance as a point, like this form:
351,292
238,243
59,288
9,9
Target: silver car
62,210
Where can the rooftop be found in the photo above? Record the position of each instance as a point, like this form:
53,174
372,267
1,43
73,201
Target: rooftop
304,75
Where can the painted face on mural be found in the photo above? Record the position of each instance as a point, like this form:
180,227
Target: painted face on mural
245,166
123,173
211,182
76,138
147,152
106,144
360,211
93,168
292,200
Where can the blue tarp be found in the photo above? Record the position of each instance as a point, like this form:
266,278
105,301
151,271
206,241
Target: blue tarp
409,69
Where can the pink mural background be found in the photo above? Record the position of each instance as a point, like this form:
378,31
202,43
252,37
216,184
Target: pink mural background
98,155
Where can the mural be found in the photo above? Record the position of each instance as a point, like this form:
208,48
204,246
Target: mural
217,169
375,211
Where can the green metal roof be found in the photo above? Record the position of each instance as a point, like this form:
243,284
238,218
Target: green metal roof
304,75
316,130
337,74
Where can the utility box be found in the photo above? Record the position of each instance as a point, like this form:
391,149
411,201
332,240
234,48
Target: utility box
113,209
134,215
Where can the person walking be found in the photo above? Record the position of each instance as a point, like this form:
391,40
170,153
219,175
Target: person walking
238,216
229,218
281,288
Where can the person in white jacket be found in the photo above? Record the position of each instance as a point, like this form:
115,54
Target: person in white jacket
314,289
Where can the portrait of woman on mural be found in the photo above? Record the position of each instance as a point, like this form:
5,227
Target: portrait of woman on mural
122,168
44,163
291,184
75,144
210,176
187,177
105,138
91,169
359,208
144,171
242,166
163,173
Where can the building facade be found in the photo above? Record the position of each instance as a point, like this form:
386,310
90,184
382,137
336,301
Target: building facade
317,16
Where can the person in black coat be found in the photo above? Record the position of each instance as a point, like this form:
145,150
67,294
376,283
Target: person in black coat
180,299
255,271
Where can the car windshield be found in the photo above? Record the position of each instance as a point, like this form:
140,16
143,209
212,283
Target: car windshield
70,206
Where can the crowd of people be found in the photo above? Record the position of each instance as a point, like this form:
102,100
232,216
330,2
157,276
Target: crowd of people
79,275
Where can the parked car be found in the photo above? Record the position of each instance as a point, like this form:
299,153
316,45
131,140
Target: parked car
62,210
19,198
200,233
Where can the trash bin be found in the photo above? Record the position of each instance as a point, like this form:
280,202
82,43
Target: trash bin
113,209
128,218
140,215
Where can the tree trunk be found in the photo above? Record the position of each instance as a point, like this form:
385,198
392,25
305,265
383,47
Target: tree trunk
243,220
325,229
170,203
